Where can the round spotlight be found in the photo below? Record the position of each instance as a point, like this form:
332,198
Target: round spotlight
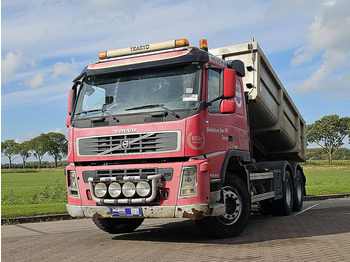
143,189
100,189
114,189
129,189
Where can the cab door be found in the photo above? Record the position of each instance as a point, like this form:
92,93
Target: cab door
225,131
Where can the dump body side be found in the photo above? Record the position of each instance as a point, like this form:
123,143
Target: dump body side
277,129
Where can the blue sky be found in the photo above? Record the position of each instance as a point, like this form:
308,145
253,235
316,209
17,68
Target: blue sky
45,44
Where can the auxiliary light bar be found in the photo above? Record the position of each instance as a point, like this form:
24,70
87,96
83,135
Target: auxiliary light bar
143,48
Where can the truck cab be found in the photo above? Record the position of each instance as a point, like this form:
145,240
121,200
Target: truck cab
160,130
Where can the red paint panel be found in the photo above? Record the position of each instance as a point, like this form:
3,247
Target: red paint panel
195,138
70,144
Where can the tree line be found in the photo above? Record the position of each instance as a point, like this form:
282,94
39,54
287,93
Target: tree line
320,154
33,165
54,144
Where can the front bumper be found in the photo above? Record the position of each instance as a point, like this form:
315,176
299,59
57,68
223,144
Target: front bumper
195,211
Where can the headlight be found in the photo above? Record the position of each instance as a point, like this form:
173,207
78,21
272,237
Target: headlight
100,189
73,189
129,189
143,189
73,184
189,181
114,189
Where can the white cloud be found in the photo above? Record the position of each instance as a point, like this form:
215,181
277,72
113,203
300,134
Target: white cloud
61,68
35,81
327,41
28,136
88,27
36,96
329,3
68,26
320,79
12,62
58,130
61,131
121,8
25,136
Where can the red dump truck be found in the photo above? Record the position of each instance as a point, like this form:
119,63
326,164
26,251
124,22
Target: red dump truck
167,130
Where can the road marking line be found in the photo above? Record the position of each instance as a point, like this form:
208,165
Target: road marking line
306,209
33,230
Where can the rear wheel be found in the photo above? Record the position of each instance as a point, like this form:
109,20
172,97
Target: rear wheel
298,192
118,225
284,206
234,221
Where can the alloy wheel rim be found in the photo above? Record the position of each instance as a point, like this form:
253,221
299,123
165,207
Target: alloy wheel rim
233,206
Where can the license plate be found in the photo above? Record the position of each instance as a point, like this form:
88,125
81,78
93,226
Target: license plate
126,211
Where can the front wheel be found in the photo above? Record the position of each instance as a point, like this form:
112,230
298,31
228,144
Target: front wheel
235,220
118,225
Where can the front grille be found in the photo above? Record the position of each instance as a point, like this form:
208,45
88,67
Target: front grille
129,144
167,173
142,172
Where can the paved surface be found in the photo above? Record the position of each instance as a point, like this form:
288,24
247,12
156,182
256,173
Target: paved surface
320,232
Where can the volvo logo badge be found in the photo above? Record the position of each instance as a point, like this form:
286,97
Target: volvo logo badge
125,143
125,130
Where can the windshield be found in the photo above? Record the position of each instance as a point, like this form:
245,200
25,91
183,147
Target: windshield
159,89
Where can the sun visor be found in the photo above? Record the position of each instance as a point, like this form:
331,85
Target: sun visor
147,61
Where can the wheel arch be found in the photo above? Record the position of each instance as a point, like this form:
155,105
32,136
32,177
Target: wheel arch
233,165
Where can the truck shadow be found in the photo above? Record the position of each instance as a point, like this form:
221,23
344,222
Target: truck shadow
260,228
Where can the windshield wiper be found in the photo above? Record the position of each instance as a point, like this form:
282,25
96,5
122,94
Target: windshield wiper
153,106
98,110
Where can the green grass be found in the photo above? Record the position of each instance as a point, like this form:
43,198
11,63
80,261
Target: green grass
322,180
40,192
32,210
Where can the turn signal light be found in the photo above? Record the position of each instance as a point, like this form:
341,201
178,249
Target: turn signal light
204,167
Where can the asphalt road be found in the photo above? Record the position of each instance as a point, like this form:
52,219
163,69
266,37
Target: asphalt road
320,232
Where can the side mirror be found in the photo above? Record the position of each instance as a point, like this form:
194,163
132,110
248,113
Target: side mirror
227,107
238,66
229,83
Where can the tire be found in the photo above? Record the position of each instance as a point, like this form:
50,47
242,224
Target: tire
237,214
298,192
284,206
117,225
